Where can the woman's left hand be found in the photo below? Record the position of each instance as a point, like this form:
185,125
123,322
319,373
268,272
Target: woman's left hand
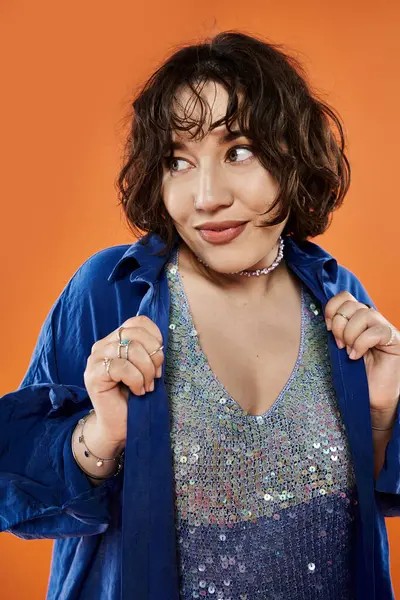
365,332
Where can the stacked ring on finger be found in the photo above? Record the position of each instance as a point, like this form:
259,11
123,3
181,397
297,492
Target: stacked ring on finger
122,344
126,343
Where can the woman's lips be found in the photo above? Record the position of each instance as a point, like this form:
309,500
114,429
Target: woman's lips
221,237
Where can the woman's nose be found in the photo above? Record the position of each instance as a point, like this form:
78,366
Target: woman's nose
211,191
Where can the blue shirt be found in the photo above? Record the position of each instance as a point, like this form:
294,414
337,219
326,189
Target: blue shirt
117,541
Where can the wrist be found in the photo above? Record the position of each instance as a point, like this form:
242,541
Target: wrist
96,456
384,419
97,440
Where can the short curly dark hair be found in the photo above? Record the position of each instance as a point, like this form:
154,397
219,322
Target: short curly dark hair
298,138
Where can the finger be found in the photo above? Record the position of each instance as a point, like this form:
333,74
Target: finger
144,322
149,343
140,322
139,350
124,371
120,370
333,305
377,335
342,321
138,334
361,317
361,320
139,357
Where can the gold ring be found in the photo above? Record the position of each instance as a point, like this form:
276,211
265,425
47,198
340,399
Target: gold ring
342,315
155,351
107,363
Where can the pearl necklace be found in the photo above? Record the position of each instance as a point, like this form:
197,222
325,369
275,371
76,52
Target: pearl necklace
258,272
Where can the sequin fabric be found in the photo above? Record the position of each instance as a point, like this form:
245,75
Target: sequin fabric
265,505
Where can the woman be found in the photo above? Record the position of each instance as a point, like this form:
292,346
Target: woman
212,411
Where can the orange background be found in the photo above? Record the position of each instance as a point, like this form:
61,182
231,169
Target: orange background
68,74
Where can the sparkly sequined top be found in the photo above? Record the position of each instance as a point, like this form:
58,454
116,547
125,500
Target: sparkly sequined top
265,505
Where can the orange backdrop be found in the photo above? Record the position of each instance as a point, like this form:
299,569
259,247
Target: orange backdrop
69,70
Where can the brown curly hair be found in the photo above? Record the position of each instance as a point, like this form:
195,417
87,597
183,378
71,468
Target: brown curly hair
297,137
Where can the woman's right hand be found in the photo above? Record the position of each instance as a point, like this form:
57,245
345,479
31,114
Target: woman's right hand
109,393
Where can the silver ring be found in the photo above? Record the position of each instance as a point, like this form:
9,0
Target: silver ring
155,351
392,335
342,315
126,345
107,363
123,344
119,333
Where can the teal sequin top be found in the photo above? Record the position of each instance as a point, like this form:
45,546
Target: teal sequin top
264,504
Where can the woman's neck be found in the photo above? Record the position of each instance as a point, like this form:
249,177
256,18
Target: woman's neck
250,288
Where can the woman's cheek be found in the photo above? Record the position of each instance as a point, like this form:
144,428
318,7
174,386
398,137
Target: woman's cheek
177,203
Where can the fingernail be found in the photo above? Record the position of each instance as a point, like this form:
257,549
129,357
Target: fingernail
151,387
159,372
353,354
142,391
348,349
340,344
329,324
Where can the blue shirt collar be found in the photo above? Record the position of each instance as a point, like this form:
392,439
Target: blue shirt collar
145,259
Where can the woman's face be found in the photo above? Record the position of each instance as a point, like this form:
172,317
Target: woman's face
216,180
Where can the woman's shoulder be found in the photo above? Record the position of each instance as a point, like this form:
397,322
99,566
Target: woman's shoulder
336,277
339,277
100,265
116,262
90,284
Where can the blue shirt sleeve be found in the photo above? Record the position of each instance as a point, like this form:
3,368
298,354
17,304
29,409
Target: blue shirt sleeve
387,484
43,492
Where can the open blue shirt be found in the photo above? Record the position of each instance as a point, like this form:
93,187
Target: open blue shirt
117,541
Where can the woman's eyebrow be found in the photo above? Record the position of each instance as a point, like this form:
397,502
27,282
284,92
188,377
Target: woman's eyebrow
223,139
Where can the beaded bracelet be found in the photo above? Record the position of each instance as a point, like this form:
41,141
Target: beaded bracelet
87,452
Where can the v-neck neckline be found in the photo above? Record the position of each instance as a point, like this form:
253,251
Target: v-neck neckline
223,393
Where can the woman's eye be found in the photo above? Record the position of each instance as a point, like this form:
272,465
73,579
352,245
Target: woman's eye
171,161
235,154
240,149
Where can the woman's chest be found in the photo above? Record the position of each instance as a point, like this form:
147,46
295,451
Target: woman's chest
251,353
250,347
